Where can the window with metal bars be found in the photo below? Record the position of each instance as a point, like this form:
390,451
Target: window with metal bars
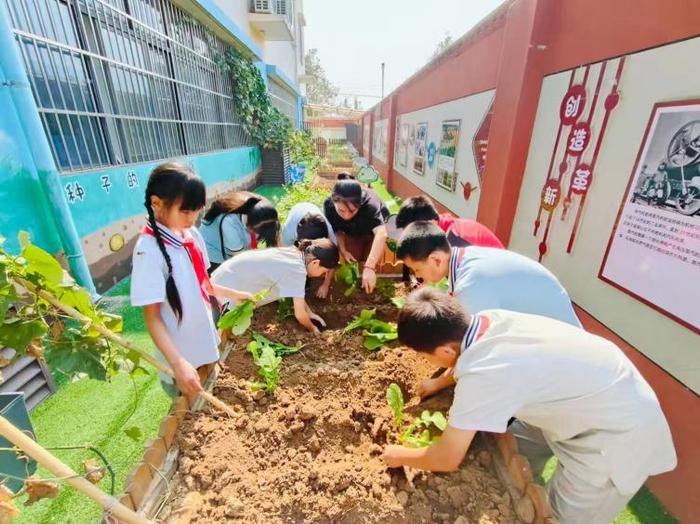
282,100
124,81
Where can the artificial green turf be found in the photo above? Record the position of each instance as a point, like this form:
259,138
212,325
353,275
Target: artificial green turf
271,192
90,411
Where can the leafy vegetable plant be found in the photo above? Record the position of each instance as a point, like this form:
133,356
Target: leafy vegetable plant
386,288
377,332
279,349
268,366
349,274
238,319
417,433
394,398
285,309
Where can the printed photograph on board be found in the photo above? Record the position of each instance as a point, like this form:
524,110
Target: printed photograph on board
403,145
447,153
654,250
420,148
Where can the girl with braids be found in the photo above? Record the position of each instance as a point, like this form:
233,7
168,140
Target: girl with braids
237,222
282,272
169,278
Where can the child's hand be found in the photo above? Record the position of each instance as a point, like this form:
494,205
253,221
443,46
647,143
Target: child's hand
347,256
314,316
243,295
187,378
429,387
322,291
393,456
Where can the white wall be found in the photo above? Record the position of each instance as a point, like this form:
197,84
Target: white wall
664,74
237,10
470,111
283,55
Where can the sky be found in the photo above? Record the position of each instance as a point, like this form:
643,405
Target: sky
354,37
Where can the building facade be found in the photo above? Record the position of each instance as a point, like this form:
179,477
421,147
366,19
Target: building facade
96,93
572,129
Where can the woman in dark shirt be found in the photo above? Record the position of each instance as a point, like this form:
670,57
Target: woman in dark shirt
357,216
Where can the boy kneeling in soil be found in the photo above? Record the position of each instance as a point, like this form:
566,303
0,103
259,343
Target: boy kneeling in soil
575,395
482,278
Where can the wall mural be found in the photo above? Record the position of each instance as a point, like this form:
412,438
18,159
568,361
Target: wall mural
419,148
658,226
575,158
449,140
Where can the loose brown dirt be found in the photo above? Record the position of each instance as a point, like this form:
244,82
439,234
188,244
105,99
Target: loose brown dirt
312,451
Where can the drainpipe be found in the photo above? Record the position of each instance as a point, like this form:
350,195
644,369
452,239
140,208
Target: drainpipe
16,80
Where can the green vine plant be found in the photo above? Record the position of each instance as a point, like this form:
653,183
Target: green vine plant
418,433
266,125
30,322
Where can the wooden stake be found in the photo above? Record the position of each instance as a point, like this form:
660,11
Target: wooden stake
61,470
72,312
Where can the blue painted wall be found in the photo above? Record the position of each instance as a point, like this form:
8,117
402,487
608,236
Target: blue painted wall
22,202
100,198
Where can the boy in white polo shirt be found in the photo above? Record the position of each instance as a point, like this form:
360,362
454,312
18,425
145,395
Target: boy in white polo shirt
576,395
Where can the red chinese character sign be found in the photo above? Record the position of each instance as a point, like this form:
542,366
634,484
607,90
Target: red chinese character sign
579,137
582,127
572,105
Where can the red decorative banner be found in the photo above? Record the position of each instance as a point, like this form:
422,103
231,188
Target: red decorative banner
580,135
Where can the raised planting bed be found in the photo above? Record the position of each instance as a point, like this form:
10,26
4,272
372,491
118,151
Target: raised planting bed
311,451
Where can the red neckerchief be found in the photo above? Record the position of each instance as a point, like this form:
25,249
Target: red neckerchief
195,255
253,241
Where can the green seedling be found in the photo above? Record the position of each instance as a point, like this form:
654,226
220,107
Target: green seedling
394,398
349,274
417,434
279,349
285,309
268,366
377,332
399,302
238,319
413,436
386,288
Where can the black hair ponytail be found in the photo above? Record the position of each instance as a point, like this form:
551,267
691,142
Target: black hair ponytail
173,183
322,249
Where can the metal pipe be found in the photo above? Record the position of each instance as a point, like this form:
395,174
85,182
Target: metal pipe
15,78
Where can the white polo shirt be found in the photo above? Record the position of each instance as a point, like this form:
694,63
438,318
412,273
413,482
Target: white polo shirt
599,415
491,278
281,270
195,336
289,229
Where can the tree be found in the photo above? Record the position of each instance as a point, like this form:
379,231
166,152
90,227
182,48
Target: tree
319,90
442,45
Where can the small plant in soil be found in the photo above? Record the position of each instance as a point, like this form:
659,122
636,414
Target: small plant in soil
417,434
386,288
377,332
268,366
279,349
238,319
285,309
349,274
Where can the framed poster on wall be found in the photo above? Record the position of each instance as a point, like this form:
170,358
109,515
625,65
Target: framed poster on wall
403,145
654,250
449,138
419,148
